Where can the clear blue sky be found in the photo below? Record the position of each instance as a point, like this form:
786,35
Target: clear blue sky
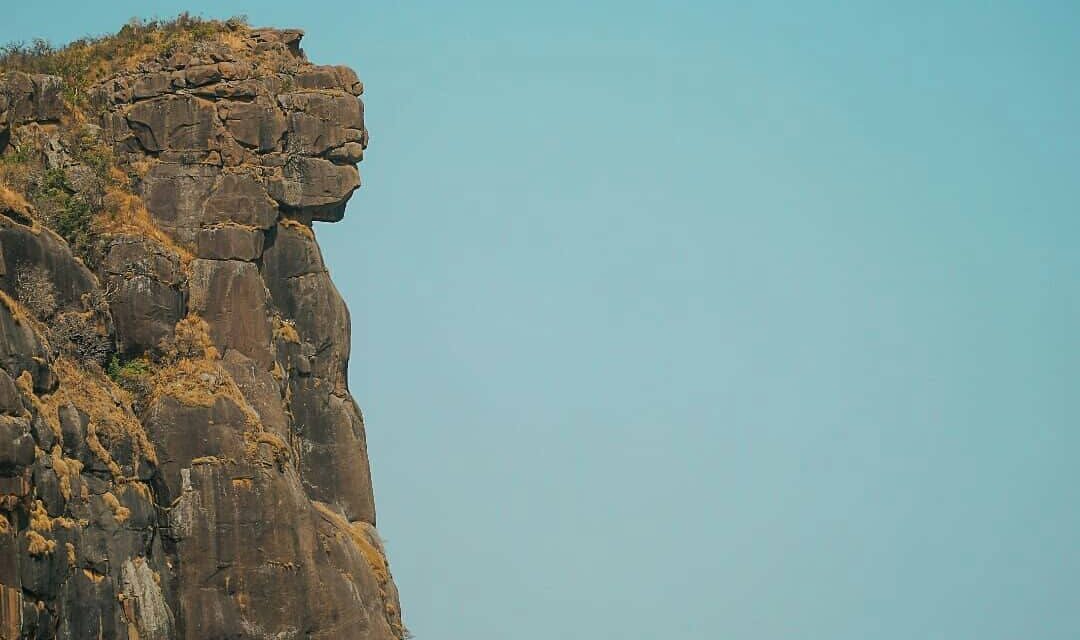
702,320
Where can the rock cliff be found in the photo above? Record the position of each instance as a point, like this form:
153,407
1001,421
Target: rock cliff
180,456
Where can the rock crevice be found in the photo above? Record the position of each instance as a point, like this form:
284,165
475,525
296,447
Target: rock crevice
180,456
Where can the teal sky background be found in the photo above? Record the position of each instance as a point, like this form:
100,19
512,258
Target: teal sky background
710,320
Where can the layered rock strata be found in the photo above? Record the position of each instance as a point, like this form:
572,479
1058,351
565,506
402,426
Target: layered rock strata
180,456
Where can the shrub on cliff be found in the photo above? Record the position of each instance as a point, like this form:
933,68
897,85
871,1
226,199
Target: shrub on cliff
35,290
84,61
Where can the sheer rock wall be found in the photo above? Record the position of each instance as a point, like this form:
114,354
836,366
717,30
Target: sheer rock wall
223,491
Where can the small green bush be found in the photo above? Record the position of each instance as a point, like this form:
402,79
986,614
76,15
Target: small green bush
132,375
63,211
120,370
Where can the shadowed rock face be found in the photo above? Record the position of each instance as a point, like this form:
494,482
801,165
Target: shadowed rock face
226,493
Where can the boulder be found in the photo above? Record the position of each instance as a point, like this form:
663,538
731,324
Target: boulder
175,195
258,124
315,187
231,297
242,199
175,122
230,242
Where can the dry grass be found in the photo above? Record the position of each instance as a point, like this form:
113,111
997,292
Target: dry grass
39,544
39,517
88,60
286,330
15,308
119,511
211,460
199,383
11,200
126,213
107,405
358,534
278,447
46,409
67,469
191,339
296,225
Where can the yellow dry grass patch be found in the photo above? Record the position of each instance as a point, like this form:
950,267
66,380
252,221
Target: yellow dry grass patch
66,469
107,405
199,383
192,340
16,309
286,330
39,544
119,511
39,517
358,534
296,225
11,200
212,460
126,213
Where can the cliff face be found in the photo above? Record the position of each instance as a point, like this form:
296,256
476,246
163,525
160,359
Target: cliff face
180,456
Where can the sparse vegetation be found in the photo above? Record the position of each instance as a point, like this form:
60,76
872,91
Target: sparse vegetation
61,209
35,291
80,334
87,60
133,376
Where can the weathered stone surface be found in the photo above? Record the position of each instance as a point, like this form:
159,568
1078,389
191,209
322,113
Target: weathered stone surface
330,77
146,299
330,425
24,249
16,445
321,121
239,198
348,153
315,187
259,124
176,122
31,98
230,242
151,85
231,297
208,475
175,195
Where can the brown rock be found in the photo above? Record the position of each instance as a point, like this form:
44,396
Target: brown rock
230,242
231,297
146,300
175,194
239,198
258,125
150,85
32,98
315,187
176,122
202,74
214,482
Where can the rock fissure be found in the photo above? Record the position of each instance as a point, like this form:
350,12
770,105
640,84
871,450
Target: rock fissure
176,430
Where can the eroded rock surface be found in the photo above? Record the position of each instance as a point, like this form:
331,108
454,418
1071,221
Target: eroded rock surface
180,456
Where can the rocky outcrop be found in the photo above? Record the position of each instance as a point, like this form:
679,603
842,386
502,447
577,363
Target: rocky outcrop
180,456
